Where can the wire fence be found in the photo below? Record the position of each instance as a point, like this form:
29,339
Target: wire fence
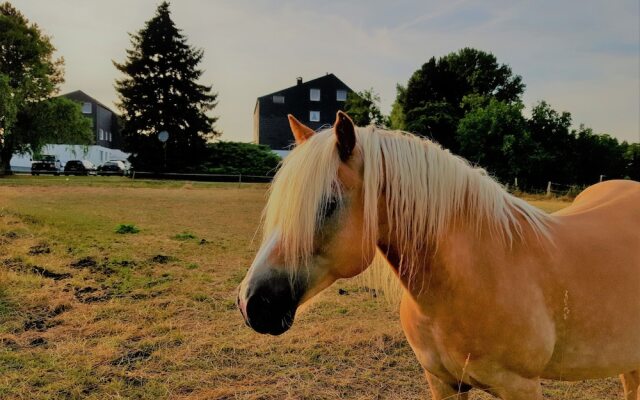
239,178
552,189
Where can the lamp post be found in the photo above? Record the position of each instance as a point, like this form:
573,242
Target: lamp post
163,136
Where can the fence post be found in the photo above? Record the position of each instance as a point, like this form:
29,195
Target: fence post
239,180
549,189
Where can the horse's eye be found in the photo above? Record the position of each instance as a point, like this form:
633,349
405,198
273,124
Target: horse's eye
329,208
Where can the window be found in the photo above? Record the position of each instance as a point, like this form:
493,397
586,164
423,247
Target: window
341,95
314,94
314,116
101,135
86,108
278,99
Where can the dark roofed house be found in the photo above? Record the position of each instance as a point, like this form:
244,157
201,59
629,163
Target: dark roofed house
104,122
314,103
107,139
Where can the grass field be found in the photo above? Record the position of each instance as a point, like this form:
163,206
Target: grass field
86,313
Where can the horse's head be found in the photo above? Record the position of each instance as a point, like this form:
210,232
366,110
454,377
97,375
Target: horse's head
314,227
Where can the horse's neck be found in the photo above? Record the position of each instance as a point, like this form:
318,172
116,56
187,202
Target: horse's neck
464,253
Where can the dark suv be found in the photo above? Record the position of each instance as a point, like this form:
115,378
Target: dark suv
46,164
79,167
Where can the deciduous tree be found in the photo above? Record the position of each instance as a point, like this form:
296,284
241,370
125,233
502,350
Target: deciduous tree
364,108
432,101
29,76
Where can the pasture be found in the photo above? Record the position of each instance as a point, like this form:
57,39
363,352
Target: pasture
88,313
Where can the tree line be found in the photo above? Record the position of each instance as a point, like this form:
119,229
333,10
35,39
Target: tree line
472,105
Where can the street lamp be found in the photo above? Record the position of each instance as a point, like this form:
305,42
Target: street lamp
163,136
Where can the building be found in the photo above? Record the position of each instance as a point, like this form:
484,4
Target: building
314,103
106,146
103,121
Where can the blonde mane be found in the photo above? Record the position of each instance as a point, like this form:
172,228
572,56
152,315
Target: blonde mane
426,188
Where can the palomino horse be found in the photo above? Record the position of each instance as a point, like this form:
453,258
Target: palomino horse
496,294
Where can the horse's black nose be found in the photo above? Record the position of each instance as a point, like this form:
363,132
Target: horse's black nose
271,305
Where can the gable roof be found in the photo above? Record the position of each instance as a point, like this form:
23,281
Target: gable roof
307,83
80,95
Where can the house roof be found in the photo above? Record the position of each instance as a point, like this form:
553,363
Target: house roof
307,83
82,95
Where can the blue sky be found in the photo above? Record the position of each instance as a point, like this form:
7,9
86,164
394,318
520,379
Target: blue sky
580,56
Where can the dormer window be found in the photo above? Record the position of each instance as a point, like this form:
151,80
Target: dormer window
341,95
278,99
314,94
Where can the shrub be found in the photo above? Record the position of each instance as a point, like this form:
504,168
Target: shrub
240,158
127,228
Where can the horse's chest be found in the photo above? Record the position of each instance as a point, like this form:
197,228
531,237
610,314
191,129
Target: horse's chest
452,342
421,332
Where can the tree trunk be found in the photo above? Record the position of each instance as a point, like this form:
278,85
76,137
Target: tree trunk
5,161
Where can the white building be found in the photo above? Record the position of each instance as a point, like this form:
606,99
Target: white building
65,152
104,124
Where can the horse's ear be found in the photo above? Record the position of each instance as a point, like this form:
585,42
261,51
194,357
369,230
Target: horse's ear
300,131
346,135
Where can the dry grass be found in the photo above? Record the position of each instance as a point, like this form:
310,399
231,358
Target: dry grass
88,313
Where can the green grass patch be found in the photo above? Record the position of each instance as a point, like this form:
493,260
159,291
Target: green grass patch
127,228
184,236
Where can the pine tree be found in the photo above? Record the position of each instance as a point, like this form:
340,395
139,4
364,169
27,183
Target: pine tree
160,92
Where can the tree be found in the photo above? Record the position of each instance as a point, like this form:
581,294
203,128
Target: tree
432,100
160,92
553,155
364,108
632,158
594,155
493,134
29,77
397,118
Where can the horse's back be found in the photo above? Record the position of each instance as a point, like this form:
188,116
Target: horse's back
622,195
597,267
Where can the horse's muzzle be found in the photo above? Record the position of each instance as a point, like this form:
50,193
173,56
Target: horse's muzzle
270,305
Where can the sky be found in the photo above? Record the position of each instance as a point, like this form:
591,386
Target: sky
579,56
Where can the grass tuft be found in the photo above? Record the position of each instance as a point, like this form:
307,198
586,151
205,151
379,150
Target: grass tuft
184,236
127,228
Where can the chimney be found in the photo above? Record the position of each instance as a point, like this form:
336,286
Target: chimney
299,80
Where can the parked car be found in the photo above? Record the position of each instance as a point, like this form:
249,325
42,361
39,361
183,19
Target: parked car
46,164
112,168
127,166
79,167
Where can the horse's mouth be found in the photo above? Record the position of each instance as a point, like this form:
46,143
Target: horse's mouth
271,324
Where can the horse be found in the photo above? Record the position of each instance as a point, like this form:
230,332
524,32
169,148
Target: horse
496,294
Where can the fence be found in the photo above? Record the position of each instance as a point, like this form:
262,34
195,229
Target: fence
552,189
559,189
201,177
